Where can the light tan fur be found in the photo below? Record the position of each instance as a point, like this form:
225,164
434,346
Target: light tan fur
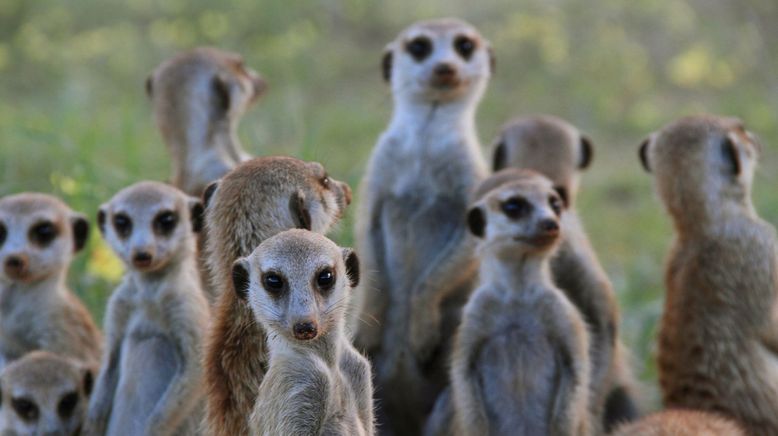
680,423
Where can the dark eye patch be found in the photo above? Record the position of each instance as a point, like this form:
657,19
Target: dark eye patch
325,279
67,405
123,225
516,207
464,46
419,48
43,233
3,233
556,204
165,222
25,408
273,283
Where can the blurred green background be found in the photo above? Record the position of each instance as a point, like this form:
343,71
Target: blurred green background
75,121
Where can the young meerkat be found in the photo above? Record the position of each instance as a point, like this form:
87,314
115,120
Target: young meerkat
38,236
556,149
151,380
411,231
718,337
297,284
520,362
680,422
44,393
199,97
253,202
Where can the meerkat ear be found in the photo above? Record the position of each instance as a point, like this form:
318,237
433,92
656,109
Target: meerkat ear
500,157
221,91
587,152
101,215
88,380
386,64
352,266
240,278
299,211
492,60
149,85
80,232
196,214
643,153
476,221
732,154
208,193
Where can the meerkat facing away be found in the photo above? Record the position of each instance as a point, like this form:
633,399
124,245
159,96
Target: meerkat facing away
38,236
199,97
718,336
44,393
151,381
297,284
253,202
680,423
556,149
520,362
411,232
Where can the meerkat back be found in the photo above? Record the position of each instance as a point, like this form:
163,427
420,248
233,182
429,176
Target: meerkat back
680,422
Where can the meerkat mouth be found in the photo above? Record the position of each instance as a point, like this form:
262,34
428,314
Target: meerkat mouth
537,240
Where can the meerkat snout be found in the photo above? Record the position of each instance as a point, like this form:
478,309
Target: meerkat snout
305,330
16,266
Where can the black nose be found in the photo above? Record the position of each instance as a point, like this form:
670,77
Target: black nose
15,263
142,256
305,330
549,226
444,70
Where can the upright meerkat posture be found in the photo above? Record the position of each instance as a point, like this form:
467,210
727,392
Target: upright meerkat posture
297,284
38,236
256,200
151,380
556,149
43,393
680,423
199,96
520,362
718,338
411,231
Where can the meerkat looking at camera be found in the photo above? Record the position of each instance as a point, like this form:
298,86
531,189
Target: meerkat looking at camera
718,337
297,284
38,236
411,231
520,362
44,393
199,97
556,149
255,201
151,380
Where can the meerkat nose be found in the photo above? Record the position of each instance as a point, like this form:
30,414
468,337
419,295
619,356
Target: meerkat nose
305,330
347,193
142,259
15,264
549,226
444,70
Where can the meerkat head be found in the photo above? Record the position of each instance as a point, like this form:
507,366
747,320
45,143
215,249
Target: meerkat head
149,224
701,162
297,283
516,212
438,61
38,236
44,393
548,145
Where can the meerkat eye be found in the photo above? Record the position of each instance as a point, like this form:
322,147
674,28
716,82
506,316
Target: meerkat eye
325,280
556,204
67,405
123,225
165,222
273,283
25,408
43,233
464,46
325,181
3,233
516,207
419,48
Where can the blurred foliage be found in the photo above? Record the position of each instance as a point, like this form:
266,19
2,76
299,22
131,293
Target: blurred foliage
74,120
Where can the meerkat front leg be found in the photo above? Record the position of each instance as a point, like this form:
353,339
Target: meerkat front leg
568,415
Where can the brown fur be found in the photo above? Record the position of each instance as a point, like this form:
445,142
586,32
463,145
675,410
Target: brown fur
681,423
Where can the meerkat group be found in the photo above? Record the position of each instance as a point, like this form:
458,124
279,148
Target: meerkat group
477,299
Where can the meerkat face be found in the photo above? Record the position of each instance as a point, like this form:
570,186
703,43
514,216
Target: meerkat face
149,224
548,145
38,236
521,215
43,393
297,283
438,61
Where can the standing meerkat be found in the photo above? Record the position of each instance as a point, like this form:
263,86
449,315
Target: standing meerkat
718,337
297,284
556,149
411,231
680,423
199,97
38,236
151,381
520,362
44,393
256,200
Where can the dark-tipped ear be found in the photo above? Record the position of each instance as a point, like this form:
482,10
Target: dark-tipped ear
476,221
101,216
643,153
587,152
352,266
88,381
208,193
300,211
731,153
240,278
562,191
196,214
386,65
80,232
149,85
492,60
221,92
500,157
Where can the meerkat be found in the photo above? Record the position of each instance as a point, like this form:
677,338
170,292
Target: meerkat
199,97
520,362
44,393
718,336
253,202
556,149
680,422
411,231
39,234
151,381
297,284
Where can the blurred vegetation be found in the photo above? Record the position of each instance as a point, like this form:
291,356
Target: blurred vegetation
74,119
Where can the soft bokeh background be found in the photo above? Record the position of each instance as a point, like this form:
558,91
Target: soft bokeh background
74,119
